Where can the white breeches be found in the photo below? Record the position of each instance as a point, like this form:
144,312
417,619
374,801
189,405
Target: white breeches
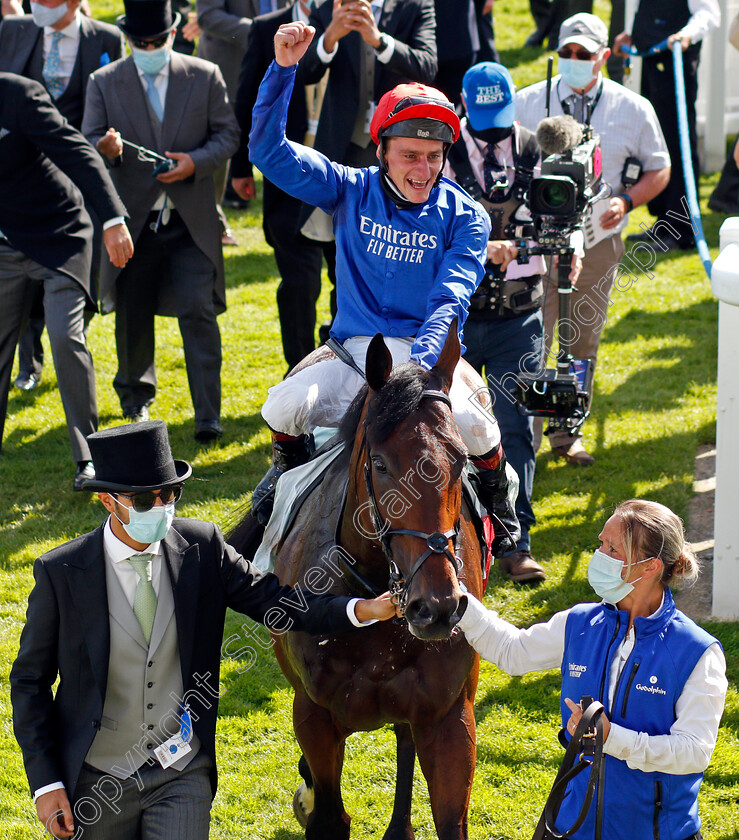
319,395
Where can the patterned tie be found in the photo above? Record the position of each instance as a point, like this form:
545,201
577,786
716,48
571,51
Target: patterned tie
153,94
492,170
145,600
52,70
576,105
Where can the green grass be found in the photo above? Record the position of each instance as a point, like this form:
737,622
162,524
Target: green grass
655,405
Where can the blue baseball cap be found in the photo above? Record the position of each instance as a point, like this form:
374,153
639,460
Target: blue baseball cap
489,96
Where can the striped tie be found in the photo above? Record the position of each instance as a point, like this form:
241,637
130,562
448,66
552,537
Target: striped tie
145,600
53,68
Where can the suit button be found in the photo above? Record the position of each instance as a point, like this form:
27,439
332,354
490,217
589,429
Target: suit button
149,664
149,685
150,746
149,705
150,726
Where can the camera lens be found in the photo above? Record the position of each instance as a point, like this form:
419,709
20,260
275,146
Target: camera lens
555,196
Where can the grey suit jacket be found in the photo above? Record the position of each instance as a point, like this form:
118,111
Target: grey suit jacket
100,43
226,25
198,119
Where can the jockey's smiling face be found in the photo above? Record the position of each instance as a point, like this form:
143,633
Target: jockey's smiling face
413,165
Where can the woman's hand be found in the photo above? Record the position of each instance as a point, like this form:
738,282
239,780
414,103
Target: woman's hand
577,714
380,608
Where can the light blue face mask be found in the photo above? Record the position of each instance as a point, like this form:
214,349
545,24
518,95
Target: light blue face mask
577,74
44,16
604,575
148,526
151,62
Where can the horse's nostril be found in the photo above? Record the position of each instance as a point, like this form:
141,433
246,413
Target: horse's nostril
421,612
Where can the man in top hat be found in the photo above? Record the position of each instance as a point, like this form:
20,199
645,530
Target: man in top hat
177,106
130,617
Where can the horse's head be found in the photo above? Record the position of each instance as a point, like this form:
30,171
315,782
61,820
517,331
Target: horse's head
408,463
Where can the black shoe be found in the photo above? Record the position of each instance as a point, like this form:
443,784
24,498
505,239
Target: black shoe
720,205
26,381
286,454
662,243
492,490
137,414
85,472
235,202
536,39
207,431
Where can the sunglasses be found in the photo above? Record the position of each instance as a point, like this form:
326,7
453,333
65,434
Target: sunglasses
142,502
143,45
566,52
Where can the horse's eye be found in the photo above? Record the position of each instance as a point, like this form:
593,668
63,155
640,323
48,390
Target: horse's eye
379,466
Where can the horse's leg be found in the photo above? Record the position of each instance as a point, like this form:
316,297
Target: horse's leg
323,748
400,822
446,753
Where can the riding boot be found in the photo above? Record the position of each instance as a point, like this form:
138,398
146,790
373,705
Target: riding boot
494,480
287,452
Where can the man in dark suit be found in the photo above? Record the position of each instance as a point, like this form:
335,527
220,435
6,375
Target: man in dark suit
60,55
45,236
298,258
131,616
165,101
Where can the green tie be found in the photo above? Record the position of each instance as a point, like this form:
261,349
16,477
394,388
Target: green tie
145,600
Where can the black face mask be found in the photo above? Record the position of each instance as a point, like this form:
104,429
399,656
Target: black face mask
491,135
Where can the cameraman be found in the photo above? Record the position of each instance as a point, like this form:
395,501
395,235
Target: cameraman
495,160
630,134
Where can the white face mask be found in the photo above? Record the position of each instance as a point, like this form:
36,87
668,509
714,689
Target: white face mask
148,526
44,16
604,575
577,74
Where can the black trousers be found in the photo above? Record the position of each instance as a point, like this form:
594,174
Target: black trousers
658,86
170,251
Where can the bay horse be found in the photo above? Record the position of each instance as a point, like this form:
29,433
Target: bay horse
390,507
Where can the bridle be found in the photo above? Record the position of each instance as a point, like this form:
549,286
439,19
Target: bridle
436,543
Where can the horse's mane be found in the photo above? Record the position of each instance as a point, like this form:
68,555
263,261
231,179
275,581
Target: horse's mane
398,397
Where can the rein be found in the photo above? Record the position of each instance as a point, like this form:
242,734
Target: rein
436,543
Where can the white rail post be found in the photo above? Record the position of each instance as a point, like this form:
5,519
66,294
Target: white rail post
725,284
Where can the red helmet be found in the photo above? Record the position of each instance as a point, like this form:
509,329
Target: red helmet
415,110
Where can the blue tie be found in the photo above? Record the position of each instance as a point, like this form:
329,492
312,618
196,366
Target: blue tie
265,6
53,67
153,94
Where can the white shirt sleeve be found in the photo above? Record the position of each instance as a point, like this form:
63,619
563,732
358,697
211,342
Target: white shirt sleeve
47,789
688,746
326,57
705,15
514,651
353,616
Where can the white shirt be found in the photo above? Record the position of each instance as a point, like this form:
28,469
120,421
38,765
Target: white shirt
384,56
626,123
705,15
68,47
688,746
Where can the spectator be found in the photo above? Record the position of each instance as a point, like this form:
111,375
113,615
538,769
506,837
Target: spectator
628,129
45,241
58,47
661,678
686,21
164,100
130,617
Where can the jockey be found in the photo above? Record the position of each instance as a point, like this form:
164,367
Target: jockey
410,251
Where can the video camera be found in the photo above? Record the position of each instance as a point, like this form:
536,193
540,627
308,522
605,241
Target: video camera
559,199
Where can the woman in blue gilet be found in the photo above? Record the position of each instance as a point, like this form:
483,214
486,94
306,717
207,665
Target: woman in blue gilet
660,677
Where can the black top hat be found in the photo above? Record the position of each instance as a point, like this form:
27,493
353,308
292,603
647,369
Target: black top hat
147,19
134,458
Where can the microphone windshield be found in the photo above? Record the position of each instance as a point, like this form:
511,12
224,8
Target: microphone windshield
558,134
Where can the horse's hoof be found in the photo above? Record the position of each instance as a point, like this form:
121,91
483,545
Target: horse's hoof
303,804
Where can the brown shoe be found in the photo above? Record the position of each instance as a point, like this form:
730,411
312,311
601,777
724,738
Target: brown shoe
228,239
575,454
521,567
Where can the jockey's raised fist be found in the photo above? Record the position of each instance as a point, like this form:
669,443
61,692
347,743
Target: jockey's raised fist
291,42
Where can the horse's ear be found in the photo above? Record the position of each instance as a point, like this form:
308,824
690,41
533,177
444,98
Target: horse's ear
448,358
379,363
